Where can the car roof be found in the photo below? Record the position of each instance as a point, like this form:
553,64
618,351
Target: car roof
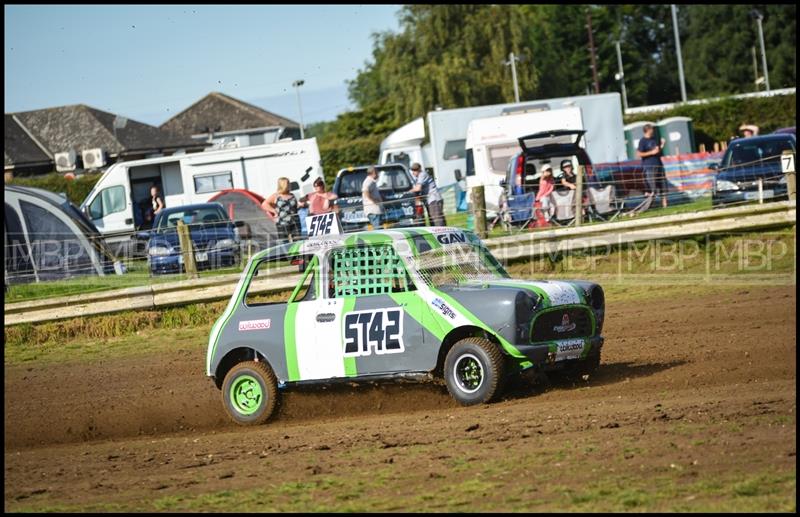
761,138
195,206
367,237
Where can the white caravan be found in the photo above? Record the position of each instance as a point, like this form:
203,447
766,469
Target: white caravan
444,151
117,203
492,141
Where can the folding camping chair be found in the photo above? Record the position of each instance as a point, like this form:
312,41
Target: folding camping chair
564,203
603,203
520,210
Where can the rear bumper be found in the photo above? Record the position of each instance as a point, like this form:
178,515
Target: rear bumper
770,193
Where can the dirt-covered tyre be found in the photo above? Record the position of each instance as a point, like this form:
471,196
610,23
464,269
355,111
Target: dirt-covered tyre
474,371
250,393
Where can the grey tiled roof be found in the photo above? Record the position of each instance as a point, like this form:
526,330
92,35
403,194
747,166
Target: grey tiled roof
19,148
222,113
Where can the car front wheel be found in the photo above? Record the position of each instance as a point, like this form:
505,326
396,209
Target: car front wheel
250,393
473,371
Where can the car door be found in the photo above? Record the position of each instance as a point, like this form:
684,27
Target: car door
377,312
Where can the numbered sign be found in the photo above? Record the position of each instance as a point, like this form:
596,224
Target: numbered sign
787,162
323,224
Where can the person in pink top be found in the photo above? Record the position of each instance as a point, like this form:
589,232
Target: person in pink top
546,186
319,201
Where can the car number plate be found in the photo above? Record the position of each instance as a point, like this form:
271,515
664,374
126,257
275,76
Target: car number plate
569,349
201,257
754,195
353,216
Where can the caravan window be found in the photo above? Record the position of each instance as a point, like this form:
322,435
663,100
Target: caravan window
213,182
500,155
455,149
108,201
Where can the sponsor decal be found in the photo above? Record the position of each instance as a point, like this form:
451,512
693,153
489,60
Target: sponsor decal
451,237
321,244
443,308
379,331
255,324
565,326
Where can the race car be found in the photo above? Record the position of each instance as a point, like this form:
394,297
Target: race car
419,303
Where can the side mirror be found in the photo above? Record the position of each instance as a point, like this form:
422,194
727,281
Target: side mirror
714,166
458,175
244,229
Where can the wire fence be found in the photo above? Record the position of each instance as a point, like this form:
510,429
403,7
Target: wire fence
608,192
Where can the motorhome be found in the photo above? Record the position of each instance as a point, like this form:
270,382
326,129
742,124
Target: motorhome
441,146
119,201
492,141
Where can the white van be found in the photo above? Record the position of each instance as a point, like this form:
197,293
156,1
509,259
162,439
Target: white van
117,203
492,141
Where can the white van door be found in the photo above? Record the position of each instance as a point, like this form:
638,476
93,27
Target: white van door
111,211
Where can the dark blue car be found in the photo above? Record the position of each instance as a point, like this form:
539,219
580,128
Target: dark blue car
214,238
748,162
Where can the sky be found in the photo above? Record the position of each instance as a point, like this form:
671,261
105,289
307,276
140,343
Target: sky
149,62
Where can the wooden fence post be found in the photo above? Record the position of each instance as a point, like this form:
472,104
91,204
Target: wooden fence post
187,250
479,211
579,196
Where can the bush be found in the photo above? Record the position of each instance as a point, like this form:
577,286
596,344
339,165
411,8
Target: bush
720,120
76,189
337,154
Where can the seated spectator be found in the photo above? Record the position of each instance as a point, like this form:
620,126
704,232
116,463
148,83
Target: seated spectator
546,186
568,179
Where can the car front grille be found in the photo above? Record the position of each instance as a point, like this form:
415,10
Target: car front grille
558,323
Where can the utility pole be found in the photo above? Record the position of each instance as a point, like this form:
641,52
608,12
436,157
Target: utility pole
297,84
755,66
591,51
512,59
621,77
758,16
678,49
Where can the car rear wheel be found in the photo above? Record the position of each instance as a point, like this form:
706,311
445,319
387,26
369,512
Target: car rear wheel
473,371
250,393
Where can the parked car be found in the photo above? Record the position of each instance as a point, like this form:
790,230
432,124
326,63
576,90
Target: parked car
394,182
789,130
748,162
214,236
424,303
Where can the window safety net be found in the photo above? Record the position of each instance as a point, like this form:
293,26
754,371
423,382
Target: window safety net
458,263
367,270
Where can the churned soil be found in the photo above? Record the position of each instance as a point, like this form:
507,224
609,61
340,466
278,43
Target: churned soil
693,408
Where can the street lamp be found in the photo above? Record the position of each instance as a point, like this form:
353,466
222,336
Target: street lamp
297,84
621,77
512,59
758,17
678,49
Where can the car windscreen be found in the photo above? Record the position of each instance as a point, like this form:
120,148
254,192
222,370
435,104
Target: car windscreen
389,179
755,152
205,215
455,264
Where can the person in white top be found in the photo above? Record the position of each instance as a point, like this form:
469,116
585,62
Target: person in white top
371,198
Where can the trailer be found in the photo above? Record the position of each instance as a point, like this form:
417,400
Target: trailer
119,200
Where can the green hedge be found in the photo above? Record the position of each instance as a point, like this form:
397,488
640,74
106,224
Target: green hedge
76,189
720,120
337,155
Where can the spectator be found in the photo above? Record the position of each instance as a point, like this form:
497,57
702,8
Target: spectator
156,200
319,201
282,208
748,130
649,151
546,186
371,199
426,186
568,178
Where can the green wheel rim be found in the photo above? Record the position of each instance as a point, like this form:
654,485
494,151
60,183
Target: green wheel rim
246,394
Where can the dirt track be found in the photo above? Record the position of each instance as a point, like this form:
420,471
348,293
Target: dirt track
688,391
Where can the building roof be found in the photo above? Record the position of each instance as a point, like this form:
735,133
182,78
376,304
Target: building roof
217,112
19,147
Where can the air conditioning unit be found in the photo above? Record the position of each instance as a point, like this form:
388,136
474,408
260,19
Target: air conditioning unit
93,158
65,161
